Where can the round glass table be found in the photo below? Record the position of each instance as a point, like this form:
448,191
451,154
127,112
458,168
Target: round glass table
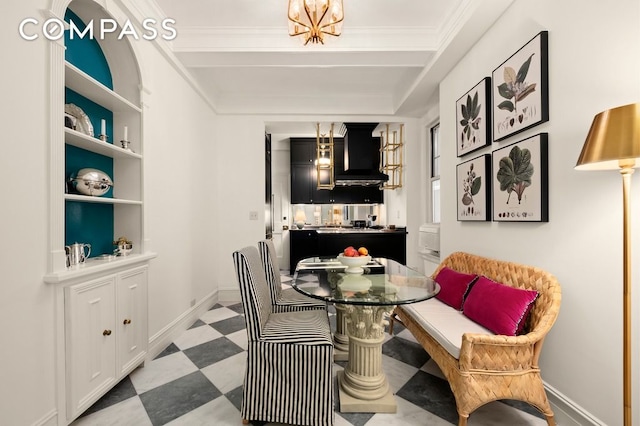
363,302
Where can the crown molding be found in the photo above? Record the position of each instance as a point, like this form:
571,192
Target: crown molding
244,39
138,10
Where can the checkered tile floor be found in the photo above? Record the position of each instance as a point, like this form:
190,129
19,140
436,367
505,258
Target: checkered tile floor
197,380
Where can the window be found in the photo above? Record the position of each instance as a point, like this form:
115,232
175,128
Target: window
435,173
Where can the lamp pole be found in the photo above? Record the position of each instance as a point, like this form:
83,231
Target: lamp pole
626,170
613,142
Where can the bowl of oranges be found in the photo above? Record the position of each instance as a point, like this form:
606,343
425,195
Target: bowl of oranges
354,259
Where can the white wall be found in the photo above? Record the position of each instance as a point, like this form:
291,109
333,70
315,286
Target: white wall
180,170
27,373
281,189
593,65
239,189
414,187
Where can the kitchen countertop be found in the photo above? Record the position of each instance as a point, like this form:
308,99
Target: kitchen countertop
348,230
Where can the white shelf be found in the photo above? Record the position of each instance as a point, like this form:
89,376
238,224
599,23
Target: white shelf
94,266
79,81
80,140
99,200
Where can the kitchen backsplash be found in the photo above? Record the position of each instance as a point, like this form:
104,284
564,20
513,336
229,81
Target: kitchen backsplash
336,214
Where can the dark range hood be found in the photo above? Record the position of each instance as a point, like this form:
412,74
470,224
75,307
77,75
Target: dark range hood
361,157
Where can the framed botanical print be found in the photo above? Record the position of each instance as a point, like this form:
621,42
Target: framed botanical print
473,189
521,181
473,115
521,89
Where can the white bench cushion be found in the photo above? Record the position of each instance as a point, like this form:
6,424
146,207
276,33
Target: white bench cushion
445,324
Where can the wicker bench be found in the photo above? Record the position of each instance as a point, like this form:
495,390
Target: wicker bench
492,367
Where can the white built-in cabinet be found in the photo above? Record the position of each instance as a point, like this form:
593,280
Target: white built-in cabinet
131,319
101,306
106,337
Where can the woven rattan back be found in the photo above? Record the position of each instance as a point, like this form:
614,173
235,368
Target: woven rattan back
546,307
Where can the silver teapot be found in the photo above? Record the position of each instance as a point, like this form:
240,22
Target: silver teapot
77,253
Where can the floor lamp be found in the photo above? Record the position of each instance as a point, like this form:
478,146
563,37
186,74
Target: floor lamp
613,143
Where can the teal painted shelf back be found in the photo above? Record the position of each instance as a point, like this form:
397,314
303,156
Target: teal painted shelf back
86,54
89,223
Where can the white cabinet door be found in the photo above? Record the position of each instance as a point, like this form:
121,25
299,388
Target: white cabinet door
90,342
131,319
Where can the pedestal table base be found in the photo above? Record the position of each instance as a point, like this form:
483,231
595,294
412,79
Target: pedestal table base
349,404
363,387
340,338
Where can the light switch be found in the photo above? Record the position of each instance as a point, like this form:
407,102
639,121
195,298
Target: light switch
253,215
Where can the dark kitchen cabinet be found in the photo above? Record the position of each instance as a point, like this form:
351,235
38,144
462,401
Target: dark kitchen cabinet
392,245
303,171
304,183
358,195
304,188
304,177
310,243
302,244
301,183
303,150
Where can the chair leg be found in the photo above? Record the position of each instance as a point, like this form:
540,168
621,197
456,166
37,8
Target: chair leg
393,317
462,420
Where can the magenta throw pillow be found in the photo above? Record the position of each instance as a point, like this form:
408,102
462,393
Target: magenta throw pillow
498,307
454,286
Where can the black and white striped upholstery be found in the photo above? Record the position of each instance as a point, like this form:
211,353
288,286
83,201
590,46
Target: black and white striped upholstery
289,299
289,376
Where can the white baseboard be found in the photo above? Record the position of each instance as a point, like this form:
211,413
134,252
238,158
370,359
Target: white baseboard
159,341
49,419
567,412
229,295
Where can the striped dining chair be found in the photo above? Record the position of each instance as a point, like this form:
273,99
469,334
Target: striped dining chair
288,377
283,300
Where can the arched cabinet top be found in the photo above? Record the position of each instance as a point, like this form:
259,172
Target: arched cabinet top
119,53
85,53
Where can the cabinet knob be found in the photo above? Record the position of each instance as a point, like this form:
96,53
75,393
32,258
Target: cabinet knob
126,321
106,333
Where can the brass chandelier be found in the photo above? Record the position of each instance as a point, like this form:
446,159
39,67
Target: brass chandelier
315,18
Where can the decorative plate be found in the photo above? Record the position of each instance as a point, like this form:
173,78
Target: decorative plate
83,124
